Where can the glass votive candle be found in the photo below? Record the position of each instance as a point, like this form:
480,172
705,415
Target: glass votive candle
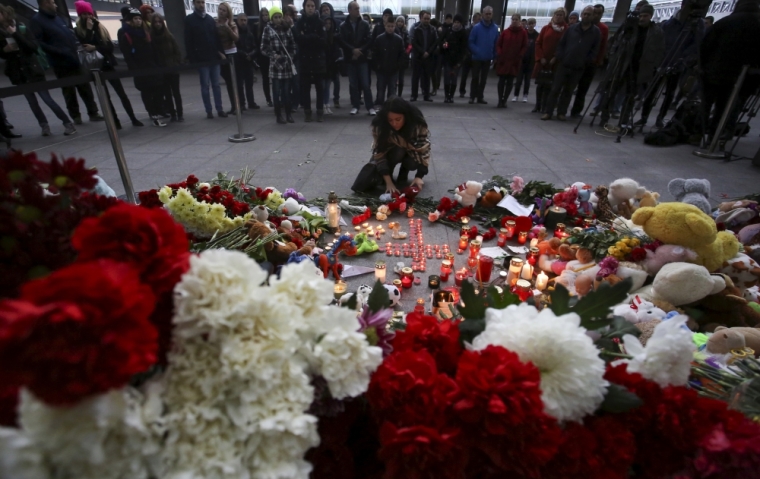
434,281
522,237
397,252
502,240
588,222
406,282
533,255
380,271
388,252
559,230
460,276
419,307
475,248
406,272
339,288
438,255
485,266
522,289
397,284
511,225
429,255
445,270
463,242
415,267
515,268
448,256
472,262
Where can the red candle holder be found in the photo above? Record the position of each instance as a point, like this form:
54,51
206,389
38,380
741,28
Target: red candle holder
485,266
522,237
406,282
502,241
459,277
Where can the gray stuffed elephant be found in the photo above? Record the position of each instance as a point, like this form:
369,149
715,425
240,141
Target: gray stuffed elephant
694,192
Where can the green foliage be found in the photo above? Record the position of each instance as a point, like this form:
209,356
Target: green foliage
236,185
378,298
592,308
619,327
474,309
618,400
237,239
493,300
536,189
560,300
599,241
474,306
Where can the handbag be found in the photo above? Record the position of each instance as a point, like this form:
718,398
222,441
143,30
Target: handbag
545,77
90,60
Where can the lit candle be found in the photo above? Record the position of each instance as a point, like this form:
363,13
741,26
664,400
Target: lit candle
459,276
463,240
533,257
523,237
522,289
515,267
406,282
526,272
511,225
380,271
339,289
485,265
472,262
450,258
420,306
502,241
365,225
407,272
397,284
358,228
474,248
541,281
445,270
434,282
554,215
559,230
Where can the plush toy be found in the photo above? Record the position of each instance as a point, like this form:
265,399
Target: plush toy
621,192
290,207
491,198
362,296
584,260
752,294
649,199
693,192
635,272
638,311
667,253
734,217
743,271
277,252
684,283
584,284
749,235
286,226
394,295
468,193
686,225
723,340
567,279
603,208
727,307
364,245
584,201
647,330
260,213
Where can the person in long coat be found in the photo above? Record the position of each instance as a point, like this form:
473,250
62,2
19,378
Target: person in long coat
510,48
312,47
546,49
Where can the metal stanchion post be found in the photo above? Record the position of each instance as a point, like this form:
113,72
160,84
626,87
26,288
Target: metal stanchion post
710,153
240,137
118,152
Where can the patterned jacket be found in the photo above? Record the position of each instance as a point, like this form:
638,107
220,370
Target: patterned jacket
280,47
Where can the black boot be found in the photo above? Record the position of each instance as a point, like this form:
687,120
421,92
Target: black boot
307,116
278,114
289,114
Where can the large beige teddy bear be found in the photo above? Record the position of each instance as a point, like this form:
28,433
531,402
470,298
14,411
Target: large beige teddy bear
686,225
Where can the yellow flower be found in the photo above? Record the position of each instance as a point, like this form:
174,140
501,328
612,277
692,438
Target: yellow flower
635,242
612,250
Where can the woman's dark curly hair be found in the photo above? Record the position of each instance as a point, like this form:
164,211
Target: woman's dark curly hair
382,128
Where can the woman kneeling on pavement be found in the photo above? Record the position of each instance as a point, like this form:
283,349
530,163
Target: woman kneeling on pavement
401,137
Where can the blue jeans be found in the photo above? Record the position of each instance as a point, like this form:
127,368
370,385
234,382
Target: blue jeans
35,106
281,91
335,81
385,83
358,77
211,75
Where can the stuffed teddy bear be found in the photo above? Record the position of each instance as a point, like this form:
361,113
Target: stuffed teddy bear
647,330
277,252
584,201
667,253
468,193
603,208
260,213
584,284
749,235
686,225
693,192
682,283
362,296
621,192
743,271
492,197
649,199
723,340
727,307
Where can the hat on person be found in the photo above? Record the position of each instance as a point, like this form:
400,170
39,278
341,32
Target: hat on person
387,11
459,18
647,9
125,11
274,11
574,13
144,9
83,7
132,13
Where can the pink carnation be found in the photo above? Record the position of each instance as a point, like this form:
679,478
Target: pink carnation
517,185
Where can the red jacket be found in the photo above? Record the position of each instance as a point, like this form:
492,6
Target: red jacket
546,46
510,49
605,30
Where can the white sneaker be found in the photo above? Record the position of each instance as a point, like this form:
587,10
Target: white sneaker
328,111
525,98
354,111
157,122
372,112
514,99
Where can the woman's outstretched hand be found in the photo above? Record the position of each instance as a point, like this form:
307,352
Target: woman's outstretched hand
418,182
391,188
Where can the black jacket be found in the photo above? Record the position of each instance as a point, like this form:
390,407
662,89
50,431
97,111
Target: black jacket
388,53
418,41
578,47
136,46
732,42
21,66
530,54
358,37
246,44
454,46
310,37
57,40
166,48
104,46
202,43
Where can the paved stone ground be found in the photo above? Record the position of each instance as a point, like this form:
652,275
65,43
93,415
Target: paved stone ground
470,142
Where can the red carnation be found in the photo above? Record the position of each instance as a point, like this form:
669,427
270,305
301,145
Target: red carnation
637,254
420,452
191,181
70,175
730,451
149,199
81,330
148,238
500,404
439,338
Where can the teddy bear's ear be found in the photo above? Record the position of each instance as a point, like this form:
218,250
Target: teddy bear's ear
701,225
642,215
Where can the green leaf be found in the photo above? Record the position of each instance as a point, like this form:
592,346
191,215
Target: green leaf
595,306
495,301
351,303
474,306
470,328
618,328
560,300
378,298
619,400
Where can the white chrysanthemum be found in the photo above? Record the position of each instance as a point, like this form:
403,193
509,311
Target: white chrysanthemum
304,287
572,373
19,456
667,357
215,291
346,361
105,436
